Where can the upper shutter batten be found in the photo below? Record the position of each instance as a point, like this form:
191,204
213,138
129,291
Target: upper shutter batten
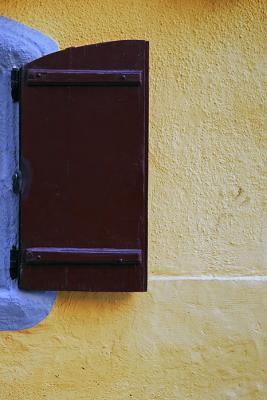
46,77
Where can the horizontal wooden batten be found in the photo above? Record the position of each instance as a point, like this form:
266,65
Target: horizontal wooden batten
67,256
62,77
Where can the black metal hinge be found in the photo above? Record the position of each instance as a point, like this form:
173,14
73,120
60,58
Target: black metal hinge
17,182
14,262
15,83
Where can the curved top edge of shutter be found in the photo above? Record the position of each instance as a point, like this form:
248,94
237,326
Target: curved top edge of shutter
115,54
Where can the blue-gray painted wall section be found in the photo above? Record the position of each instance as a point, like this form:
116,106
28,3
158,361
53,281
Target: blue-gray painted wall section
19,44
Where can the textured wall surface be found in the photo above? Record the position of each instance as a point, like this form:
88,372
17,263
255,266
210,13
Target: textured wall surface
201,331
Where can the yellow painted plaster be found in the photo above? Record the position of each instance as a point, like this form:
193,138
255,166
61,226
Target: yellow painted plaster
182,340
197,340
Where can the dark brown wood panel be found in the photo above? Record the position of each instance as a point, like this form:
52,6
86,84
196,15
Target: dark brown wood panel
84,118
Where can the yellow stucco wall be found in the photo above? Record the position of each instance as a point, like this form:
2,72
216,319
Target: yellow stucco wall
191,336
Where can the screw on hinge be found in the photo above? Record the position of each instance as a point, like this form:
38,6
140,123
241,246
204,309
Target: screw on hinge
16,182
15,83
14,262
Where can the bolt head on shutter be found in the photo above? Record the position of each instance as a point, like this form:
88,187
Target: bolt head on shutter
83,160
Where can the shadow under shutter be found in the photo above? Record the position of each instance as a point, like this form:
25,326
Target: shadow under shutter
84,123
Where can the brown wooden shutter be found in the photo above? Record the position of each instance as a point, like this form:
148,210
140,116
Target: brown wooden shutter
84,124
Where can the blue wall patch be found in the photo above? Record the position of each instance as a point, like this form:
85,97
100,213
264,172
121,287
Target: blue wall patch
19,44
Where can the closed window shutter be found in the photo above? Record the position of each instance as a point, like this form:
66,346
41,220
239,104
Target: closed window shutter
83,207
